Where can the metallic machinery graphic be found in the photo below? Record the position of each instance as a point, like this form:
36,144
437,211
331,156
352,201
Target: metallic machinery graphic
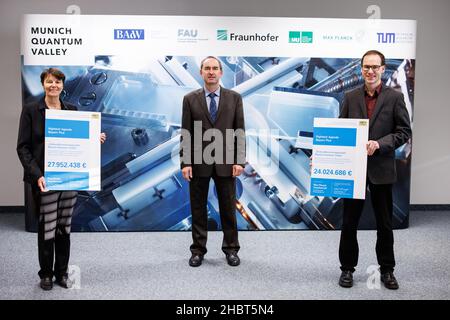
140,101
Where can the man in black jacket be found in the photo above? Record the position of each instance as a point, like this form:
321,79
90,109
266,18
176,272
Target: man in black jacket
213,146
389,128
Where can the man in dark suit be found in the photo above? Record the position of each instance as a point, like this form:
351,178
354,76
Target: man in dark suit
389,128
213,146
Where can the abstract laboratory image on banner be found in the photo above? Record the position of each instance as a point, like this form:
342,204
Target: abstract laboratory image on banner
141,104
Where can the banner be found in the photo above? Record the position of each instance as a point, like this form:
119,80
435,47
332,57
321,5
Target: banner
135,70
339,158
72,150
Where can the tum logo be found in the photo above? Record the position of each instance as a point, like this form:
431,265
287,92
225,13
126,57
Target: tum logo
222,35
388,37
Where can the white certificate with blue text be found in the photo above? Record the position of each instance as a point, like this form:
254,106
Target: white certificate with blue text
339,159
72,150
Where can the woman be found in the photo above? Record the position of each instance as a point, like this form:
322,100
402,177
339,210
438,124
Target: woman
54,208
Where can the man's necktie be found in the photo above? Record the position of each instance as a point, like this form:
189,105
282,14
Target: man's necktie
213,106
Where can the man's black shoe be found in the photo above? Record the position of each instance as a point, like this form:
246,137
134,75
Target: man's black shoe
64,282
46,283
346,279
196,260
233,259
389,281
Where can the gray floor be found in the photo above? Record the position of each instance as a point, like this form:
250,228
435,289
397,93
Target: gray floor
275,265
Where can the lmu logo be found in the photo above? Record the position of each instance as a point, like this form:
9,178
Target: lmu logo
388,37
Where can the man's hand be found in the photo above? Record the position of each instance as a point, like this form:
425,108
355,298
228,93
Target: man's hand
102,137
187,173
41,184
237,170
372,146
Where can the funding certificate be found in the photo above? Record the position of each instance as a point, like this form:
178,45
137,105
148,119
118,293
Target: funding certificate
339,158
72,150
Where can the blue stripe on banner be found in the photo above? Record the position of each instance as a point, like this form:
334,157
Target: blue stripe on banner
332,188
67,180
335,136
75,129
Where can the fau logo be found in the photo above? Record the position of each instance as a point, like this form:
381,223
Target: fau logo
128,34
186,33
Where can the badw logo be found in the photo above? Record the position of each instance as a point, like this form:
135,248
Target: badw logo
129,34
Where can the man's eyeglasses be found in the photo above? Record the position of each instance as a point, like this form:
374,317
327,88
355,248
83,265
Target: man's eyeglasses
374,68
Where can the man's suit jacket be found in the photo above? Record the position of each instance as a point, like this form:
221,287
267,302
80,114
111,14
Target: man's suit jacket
389,126
31,139
196,120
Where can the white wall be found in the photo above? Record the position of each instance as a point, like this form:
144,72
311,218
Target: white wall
431,132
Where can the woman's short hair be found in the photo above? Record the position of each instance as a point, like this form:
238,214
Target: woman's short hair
58,74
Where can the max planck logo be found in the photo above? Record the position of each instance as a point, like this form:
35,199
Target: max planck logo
128,34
